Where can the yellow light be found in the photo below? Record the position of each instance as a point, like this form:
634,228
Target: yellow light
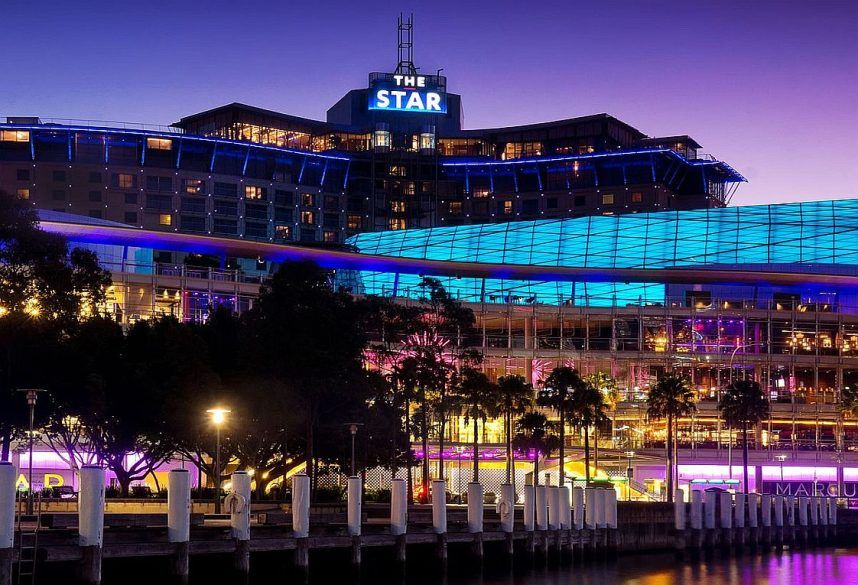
218,415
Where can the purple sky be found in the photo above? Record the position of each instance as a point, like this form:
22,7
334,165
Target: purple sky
771,87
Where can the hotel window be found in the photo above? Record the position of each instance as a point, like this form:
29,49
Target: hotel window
123,180
381,139
482,192
308,235
94,196
225,226
159,202
308,217
580,200
530,206
95,177
397,170
193,224
154,183
256,230
281,214
226,189
58,195
332,203
308,199
455,207
284,197
607,198
331,220
395,223
131,198
282,232
397,206
637,197
14,136
193,186
23,174
256,211
193,204
551,203
165,219
329,236
254,192
59,176
506,207
23,193
354,222
226,207
409,188
159,143
130,217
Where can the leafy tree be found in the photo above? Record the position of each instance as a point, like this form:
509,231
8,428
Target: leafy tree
478,399
535,435
607,386
556,394
587,410
515,398
671,398
743,404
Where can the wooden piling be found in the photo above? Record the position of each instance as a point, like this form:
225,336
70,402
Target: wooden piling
302,553
180,561
241,556
356,551
401,548
89,569
5,566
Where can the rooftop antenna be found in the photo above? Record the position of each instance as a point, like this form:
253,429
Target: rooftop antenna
405,37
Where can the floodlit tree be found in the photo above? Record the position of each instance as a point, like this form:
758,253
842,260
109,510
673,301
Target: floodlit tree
743,405
478,399
587,410
516,397
607,386
556,394
535,437
671,398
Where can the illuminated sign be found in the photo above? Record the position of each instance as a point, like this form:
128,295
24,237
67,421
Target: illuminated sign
49,480
407,93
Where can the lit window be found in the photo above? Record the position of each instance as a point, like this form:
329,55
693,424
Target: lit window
14,136
283,232
254,192
397,171
455,207
397,206
329,236
126,181
637,197
308,199
381,139
607,199
507,207
354,222
308,217
165,219
481,192
396,223
194,186
159,143
23,193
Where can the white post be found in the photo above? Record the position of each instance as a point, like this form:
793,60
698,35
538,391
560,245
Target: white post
726,510
7,520
789,502
566,508
739,511
398,507
753,503
439,506
301,505
91,506
611,508
238,505
823,511
555,515
179,505
832,511
696,509
814,511
679,510
354,502
709,505
802,510
541,507
506,507
766,510
601,508
590,507
475,507
529,508
778,502
578,507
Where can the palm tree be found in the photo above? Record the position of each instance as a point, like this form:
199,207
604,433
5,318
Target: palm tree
478,399
556,394
515,397
743,404
670,398
534,434
604,383
587,409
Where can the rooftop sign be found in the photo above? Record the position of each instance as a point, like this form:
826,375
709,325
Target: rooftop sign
407,93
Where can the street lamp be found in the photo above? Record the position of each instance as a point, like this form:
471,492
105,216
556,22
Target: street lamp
32,395
218,416
629,474
781,458
353,429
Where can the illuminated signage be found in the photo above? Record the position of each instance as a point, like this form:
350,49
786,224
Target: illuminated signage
407,93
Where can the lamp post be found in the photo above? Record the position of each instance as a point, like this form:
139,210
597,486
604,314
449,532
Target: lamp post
353,429
218,416
629,473
32,395
781,458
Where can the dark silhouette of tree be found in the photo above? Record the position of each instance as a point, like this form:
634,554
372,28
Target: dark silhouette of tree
478,399
670,398
516,397
587,410
556,394
535,436
743,404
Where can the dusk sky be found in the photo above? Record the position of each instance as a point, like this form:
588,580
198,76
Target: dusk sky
769,87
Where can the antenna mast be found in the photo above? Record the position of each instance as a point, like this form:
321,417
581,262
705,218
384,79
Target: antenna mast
405,29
